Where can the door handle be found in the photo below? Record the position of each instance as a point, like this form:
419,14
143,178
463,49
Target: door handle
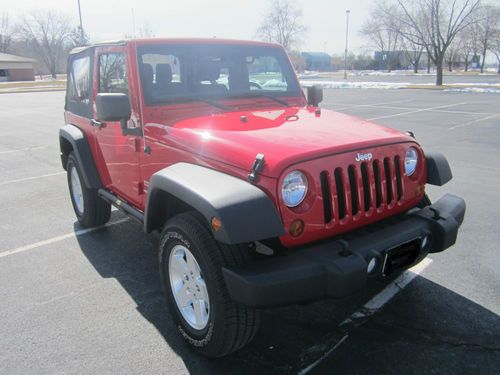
97,124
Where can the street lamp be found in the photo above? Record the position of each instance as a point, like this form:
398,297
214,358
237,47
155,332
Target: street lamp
82,37
346,38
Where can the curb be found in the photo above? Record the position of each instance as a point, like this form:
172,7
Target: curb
34,89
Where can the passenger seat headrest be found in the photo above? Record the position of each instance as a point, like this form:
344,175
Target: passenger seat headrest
147,74
163,74
207,72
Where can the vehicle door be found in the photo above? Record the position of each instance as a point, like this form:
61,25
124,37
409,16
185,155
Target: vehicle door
78,106
119,152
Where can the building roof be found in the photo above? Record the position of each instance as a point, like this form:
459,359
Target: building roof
5,57
316,54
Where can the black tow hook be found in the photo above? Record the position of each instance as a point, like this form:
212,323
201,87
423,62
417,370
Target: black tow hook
437,214
346,251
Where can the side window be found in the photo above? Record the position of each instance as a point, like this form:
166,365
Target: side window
113,73
265,73
161,76
166,68
79,80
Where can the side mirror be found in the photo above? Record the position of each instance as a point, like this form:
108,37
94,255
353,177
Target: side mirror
113,107
314,95
116,107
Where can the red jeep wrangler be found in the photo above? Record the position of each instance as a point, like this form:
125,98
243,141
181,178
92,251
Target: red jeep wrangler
262,198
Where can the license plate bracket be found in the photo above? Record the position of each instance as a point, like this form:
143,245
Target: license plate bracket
401,256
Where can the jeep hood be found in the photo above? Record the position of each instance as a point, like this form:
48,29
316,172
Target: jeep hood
285,136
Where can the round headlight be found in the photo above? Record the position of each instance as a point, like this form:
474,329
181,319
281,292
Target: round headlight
411,161
294,188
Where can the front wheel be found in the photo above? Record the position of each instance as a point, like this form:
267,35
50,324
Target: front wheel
191,262
90,209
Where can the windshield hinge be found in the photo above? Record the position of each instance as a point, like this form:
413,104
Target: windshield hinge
257,167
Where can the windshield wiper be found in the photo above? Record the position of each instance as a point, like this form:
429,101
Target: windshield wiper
260,95
190,99
211,102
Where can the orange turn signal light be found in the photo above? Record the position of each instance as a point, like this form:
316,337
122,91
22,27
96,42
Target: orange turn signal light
419,190
216,224
296,228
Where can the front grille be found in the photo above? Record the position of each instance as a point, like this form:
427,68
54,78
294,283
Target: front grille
363,189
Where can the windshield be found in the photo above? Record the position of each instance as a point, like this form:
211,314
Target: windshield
177,73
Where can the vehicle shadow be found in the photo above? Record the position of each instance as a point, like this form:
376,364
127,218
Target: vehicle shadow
290,338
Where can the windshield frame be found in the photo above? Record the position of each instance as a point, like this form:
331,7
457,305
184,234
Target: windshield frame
189,49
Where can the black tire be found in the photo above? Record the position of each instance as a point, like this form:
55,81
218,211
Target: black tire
230,325
95,211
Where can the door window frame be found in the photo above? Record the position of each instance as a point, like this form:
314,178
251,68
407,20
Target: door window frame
98,70
78,107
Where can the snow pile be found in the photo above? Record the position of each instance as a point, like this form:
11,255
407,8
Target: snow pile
355,85
274,83
460,87
392,73
482,84
476,89
308,74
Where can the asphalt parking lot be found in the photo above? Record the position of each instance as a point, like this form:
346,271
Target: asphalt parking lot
90,302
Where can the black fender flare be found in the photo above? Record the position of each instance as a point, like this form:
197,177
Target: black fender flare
81,148
438,168
246,212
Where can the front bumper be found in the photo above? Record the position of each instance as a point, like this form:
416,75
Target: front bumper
338,267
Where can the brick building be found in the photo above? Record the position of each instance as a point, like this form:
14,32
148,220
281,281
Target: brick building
16,68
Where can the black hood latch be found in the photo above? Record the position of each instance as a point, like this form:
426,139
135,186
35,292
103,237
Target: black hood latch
257,167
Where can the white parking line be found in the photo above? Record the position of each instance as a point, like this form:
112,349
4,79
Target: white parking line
416,111
375,304
58,238
369,105
22,150
473,121
411,109
327,353
30,178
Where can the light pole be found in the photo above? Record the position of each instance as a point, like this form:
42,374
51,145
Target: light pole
346,38
82,37
133,23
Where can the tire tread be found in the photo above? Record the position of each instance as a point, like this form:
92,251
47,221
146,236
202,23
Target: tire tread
97,212
242,323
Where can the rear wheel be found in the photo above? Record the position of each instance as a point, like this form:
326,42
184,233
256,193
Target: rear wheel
90,209
191,262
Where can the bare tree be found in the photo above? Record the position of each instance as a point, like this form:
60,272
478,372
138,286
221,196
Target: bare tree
383,35
495,45
434,24
283,24
453,53
468,44
413,53
487,21
48,33
6,33
75,38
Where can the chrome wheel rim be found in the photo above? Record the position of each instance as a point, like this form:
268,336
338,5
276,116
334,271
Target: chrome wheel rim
76,190
188,287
